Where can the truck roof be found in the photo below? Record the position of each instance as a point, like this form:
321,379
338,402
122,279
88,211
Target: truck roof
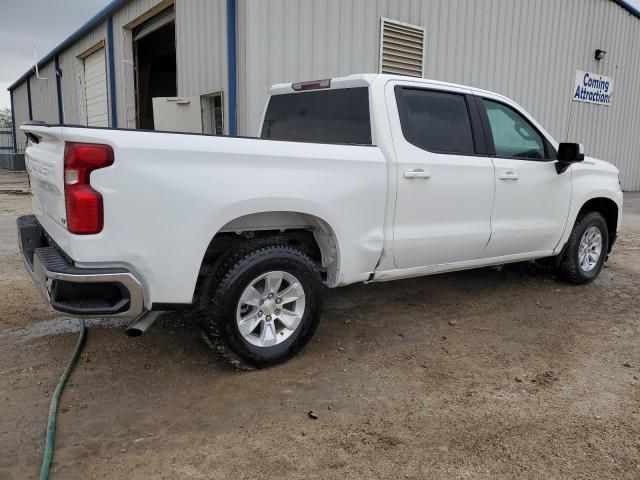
365,80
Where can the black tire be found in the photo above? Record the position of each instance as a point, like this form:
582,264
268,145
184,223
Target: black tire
569,269
221,291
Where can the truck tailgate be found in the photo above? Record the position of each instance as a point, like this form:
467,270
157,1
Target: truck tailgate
44,159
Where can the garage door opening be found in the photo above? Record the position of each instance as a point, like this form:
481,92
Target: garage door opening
155,64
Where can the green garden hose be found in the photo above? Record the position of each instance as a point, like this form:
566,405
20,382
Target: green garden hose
53,408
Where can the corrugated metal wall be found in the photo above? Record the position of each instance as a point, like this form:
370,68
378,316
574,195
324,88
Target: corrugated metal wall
201,39
526,50
289,40
21,113
44,96
69,64
612,132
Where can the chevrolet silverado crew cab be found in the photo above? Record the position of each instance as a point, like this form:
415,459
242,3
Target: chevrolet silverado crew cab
364,178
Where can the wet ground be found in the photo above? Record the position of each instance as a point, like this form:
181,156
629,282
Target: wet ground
493,373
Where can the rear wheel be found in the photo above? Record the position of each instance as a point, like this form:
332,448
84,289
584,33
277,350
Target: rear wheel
586,250
261,305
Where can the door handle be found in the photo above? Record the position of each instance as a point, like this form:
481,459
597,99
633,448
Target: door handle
417,173
509,176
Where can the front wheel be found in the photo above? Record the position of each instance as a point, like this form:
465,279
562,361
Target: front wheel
261,305
586,249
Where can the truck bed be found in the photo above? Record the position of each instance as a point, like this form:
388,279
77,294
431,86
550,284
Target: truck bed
168,194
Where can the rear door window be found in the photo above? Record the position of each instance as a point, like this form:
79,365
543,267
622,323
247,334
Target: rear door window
323,116
435,121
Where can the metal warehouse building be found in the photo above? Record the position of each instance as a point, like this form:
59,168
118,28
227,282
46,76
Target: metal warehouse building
574,64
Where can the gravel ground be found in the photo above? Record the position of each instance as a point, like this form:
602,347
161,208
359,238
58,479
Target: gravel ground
486,374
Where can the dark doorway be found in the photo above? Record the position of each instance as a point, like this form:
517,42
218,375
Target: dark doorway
155,62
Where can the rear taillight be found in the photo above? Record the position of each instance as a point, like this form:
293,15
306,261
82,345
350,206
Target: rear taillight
84,205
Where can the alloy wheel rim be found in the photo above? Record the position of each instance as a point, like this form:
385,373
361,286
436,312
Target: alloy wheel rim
270,309
590,249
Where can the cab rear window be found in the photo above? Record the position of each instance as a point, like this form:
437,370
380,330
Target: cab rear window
323,116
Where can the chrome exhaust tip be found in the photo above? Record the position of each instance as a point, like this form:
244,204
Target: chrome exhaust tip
142,323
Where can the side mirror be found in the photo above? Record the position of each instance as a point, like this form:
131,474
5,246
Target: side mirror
569,153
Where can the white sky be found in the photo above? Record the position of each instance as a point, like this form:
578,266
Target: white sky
43,24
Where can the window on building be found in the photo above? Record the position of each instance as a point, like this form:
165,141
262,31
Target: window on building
513,135
212,114
435,121
401,48
323,116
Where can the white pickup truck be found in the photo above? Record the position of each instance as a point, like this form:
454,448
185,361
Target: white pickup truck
364,178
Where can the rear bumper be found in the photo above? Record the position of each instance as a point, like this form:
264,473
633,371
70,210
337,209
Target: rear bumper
76,291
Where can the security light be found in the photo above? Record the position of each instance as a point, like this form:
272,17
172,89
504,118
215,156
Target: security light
600,54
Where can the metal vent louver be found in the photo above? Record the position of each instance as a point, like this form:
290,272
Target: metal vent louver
401,48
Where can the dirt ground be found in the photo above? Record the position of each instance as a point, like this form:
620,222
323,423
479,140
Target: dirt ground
486,374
